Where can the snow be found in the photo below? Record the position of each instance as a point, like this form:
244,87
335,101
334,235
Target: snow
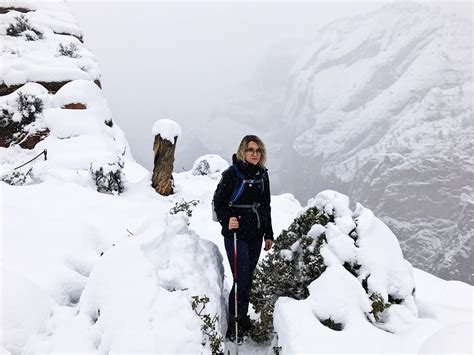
161,275
24,61
25,310
210,164
87,272
346,301
381,257
167,129
153,262
78,139
437,317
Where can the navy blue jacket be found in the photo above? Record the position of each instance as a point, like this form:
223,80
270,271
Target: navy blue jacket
248,223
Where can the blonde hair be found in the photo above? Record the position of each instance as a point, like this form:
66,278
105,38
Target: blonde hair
244,144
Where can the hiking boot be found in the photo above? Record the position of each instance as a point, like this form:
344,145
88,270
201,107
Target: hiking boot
230,335
246,324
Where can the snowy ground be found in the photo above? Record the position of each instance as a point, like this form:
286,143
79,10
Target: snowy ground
53,235
87,272
60,295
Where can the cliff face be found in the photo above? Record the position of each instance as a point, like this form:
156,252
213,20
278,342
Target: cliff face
382,102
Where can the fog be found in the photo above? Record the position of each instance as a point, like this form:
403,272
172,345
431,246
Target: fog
180,60
222,70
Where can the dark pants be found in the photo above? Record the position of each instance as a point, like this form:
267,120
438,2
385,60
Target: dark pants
248,252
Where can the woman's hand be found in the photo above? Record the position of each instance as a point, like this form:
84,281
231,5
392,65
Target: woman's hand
233,223
268,244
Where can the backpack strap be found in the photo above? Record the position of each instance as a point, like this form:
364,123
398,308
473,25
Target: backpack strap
241,186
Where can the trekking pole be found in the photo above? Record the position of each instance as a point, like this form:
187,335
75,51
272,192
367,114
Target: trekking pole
235,296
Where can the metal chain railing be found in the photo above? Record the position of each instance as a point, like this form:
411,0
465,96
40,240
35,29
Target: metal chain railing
45,152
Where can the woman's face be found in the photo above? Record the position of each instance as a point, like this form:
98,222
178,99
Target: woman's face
253,153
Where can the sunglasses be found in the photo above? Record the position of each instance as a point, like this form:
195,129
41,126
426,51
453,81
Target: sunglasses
257,151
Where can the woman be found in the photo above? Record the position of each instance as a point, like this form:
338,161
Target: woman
242,206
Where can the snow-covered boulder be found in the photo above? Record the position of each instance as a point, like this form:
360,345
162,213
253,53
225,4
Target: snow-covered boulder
138,297
211,165
41,42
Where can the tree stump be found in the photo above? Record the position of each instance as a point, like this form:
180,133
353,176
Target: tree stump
162,179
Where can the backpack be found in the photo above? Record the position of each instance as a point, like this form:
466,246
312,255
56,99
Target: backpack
238,190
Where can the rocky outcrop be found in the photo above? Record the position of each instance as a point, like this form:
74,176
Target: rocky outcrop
36,37
51,100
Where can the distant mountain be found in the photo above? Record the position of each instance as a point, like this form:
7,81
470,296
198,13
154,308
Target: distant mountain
379,107
382,102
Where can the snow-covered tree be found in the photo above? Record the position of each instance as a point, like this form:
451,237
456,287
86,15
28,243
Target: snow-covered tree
326,234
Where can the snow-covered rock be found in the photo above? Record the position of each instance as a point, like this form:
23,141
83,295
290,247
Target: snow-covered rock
211,164
53,37
167,129
70,123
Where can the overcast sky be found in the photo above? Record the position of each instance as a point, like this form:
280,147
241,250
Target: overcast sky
178,60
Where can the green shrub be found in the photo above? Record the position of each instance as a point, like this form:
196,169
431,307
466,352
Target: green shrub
13,119
378,306
30,107
22,27
109,180
209,325
331,324
183,206
17,177
202,168
288,269
68,51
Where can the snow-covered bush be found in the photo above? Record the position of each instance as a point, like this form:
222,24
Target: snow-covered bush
22,27
69,50
183,206
14,117
201,168
29,107
288,270
108,178
326,246
17,177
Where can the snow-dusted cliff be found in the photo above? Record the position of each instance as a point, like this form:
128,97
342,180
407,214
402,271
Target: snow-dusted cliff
379,107
383,103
